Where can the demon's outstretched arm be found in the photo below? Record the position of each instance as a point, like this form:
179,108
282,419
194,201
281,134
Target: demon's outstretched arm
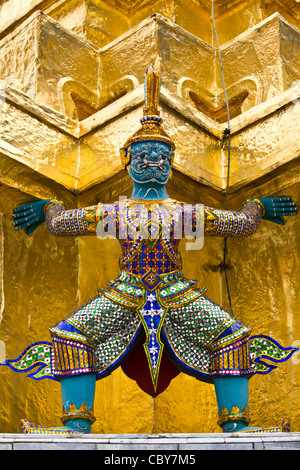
59,222
245,222
68,223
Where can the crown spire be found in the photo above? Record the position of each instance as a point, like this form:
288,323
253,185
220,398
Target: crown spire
151,87
151,121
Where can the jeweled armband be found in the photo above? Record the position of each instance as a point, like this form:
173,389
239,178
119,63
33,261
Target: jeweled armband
53,201
224,223
259,203
74,222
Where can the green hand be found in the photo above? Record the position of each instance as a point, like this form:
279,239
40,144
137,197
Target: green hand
278,207
29,216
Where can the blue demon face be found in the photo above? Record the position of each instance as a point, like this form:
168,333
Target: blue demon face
150,162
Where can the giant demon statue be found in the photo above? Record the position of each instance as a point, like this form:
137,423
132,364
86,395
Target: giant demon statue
151,320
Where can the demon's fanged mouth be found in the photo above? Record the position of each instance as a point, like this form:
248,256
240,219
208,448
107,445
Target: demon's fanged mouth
147,164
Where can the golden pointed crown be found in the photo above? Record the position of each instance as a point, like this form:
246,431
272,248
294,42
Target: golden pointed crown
151,129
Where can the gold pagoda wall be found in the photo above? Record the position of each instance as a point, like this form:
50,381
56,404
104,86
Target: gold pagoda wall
71,92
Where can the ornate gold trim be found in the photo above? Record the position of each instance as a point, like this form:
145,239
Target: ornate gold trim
234,416
259,203
82,413
53,201
210,220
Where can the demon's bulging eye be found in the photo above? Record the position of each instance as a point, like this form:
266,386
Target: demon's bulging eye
164,157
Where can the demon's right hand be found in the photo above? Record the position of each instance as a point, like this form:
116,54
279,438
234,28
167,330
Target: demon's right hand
29,216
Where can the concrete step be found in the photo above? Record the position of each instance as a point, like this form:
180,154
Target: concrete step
182,445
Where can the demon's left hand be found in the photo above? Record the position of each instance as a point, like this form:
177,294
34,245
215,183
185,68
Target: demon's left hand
275,208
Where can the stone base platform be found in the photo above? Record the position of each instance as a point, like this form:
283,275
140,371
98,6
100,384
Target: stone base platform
156,444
